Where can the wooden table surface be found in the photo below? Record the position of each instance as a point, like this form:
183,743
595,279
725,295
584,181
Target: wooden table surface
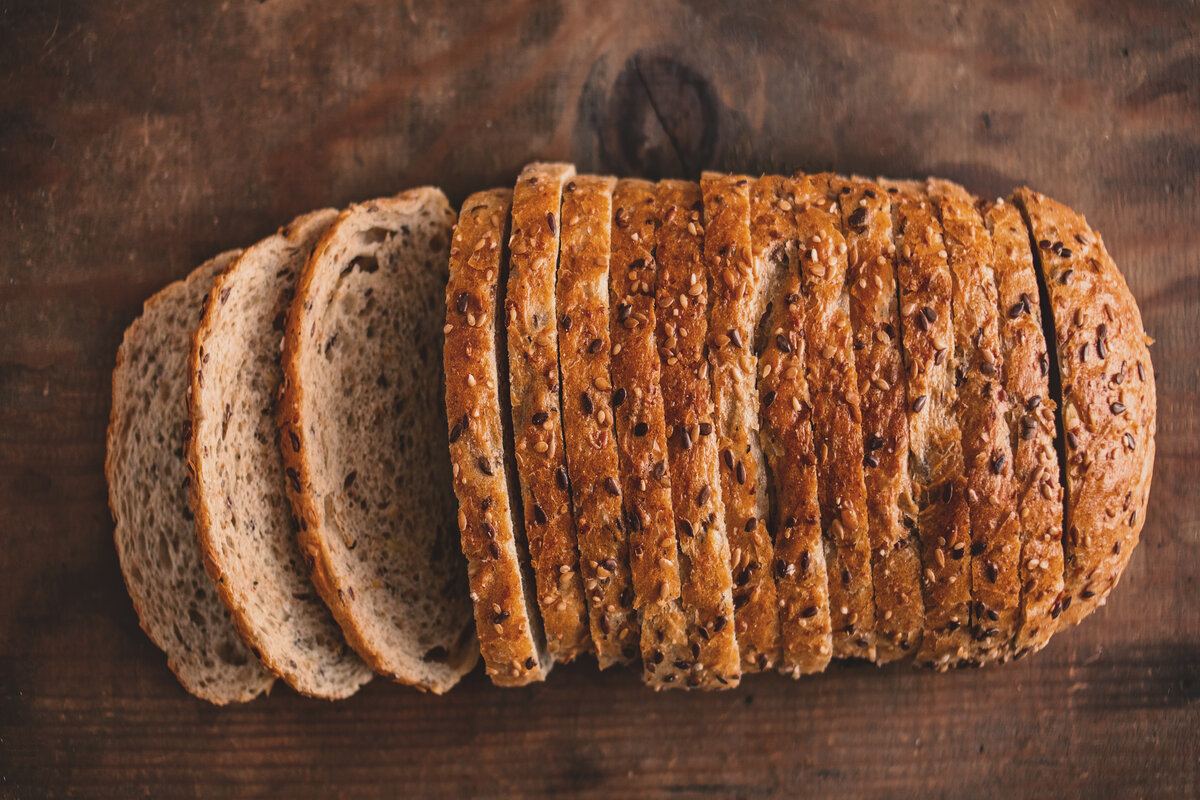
138,138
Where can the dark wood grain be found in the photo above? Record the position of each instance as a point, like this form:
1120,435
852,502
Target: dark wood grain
139,138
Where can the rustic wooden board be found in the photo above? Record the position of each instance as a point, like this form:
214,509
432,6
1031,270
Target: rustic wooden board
139,138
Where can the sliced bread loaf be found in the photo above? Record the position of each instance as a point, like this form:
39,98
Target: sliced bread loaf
176,603
837,416
591,446
245,526
681,308
1031,423
637,403
737,291
891,510
982,416
370,487
1108,400
489,511
534,387
801,579
935,440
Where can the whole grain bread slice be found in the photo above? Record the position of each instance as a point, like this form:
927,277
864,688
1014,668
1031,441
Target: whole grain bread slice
891,509
837,416
1108,400
1032,429
681,308
637,403
801,579
591,446
176,603
935,440
736,289
367,480
534,386
982,416
246,529
477,413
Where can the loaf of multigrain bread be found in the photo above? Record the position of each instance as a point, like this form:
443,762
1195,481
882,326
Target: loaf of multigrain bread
716,428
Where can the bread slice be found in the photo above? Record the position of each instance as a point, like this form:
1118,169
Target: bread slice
1031,424
637,403
736,290
245,527
177,605
801,579
537,422
891,509
935,440
1108,400
489,513
681,307
982,416
591,446
367,481
837,417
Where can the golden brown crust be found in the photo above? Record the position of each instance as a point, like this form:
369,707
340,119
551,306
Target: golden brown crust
641,437
1032,430
837,418
982,415
583,353
1108,401
505,618
734,285
891,510
681,307
802,584
537,424
935,441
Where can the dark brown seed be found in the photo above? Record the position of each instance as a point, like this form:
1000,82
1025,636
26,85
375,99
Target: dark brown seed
618,397
1072,440
929,314
1016,310
993,571
922,322
565,322
640,429
751,524
540,418
489,531
705,428
939,355
560,477
499,617
685,527
1066,276
351,477
1117,408
977,549
919,403
804,561
876,442
719,624
1044,244
782,343
768,398
637,263
1130,442
585,402
660,469
998,463
623,312
1064,252
493,550
735,338
845,577
987,368
780,569
461,303
551,222
294,479
610,483
455,432
539,515
703,496
809,612
858,217
870,460
727,457
296,441
741,473
1101,348
596,346
685,439
484,466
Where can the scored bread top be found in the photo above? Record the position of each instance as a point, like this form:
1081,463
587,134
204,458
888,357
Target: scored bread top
935,440
1108,400
891,509
506,616
637,403
837,417
681,307
177,605
591,447
801,579
736,289
982,416
1031,422
537,423
372,493
246,529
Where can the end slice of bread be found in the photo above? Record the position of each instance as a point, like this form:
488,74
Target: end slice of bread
369,484
155,534
246,528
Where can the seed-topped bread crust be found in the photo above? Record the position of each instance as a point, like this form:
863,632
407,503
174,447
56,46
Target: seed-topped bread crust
1032,430
935,440
584,357
801,579
537,421
245,527
177,605
1108,400
489,521
681,308
891,509
736,290
983,420
373,495
637,403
